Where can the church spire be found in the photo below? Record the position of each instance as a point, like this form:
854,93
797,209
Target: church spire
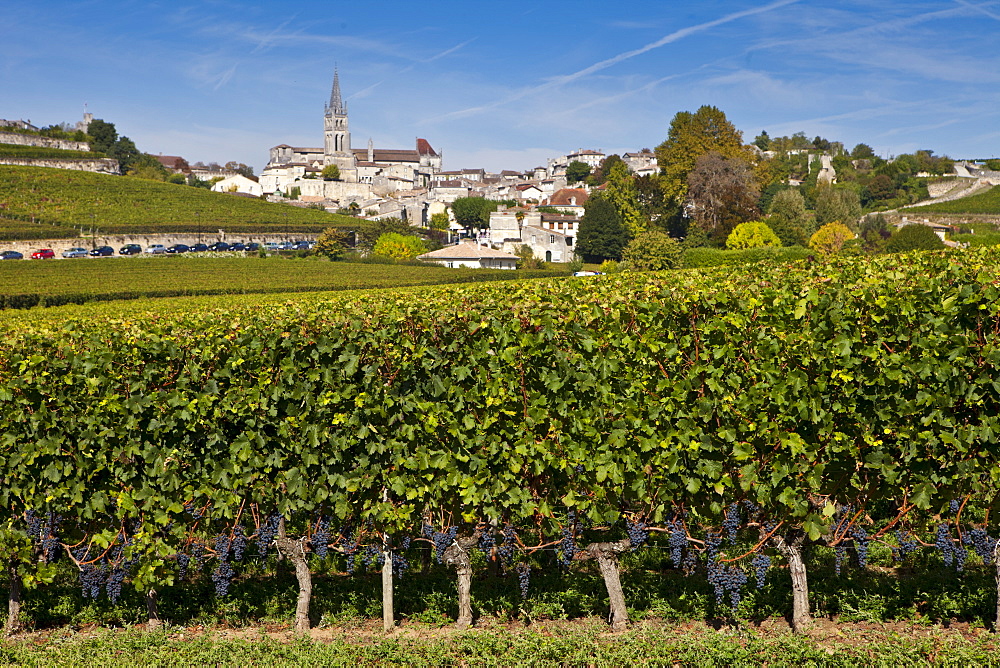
336,105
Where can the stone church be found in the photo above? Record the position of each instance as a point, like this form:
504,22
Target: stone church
364,172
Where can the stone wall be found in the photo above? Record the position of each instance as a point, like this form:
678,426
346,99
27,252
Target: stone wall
46,142
100,165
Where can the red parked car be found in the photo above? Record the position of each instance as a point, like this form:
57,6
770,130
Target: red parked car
43,254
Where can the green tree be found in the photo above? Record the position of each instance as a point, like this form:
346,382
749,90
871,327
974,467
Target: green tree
654,205
653,250
147,167
993,165
690,137
788,218
721,194
577,171
862,151
398,246
602,234
754,234
125,152
439,221
830,238
332,243
331,173
913,237
473,211
526,258
763,141
621,191
600,175
837,205
103,135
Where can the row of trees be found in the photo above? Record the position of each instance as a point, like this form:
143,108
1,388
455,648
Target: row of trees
710,182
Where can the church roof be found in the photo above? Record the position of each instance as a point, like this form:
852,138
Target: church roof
387,155
336,105
424,147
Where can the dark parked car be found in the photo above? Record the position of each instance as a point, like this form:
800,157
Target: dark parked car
198,248
43,254
219,246
253,246
130,249
179,248
238,246
11,255
102,251
301,245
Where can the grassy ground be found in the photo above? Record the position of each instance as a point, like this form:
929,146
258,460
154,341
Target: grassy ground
117,204
582,643
29,283
917,613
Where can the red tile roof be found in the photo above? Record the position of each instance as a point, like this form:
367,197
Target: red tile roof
569,197
424,147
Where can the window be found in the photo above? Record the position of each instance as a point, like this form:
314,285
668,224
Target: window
552,238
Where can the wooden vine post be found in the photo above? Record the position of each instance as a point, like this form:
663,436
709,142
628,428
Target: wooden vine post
13,600
606,555
790,546
295,551
457,556
153,621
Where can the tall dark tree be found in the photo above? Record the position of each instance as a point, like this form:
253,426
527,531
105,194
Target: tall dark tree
125,152
654,205
103,135
602,235
577,171
722,194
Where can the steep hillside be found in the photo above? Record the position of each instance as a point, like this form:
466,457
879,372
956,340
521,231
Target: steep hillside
987,202
116,204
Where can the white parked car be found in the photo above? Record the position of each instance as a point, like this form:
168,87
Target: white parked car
75,252
588,273
156,249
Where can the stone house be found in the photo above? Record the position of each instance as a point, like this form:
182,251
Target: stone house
471,254
238,183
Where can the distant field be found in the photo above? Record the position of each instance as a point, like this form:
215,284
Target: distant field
41,152
28,283
122,205
984,203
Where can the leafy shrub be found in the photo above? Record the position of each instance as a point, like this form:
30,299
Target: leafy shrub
913,237
652,251
830,238
716,257
753,234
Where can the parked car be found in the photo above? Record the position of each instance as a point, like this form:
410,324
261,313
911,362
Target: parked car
198,248
219,246
238,246
11,255
130,249
300,245
156,249
102,251
179,248
43,254
75,252
588,273
271,246
253,247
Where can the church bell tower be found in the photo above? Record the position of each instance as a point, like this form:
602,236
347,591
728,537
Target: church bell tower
336,136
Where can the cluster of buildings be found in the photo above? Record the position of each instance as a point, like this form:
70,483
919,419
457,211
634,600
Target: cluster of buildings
410,184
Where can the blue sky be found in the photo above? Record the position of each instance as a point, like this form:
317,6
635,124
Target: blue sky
505,85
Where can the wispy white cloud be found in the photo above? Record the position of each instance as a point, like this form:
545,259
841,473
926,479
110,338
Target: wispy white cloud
610,62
